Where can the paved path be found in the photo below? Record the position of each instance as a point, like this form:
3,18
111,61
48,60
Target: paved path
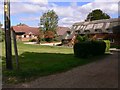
100,74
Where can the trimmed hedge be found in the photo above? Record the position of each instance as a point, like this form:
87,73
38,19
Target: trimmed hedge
89,48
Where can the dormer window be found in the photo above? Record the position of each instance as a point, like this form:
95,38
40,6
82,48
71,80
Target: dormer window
24,36
68,32
90,26
78,27
98,30
98,26
109,30
87,31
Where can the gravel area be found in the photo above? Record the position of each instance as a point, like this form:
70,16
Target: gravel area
99,74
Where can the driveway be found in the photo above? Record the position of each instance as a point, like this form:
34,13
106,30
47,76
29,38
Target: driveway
99,74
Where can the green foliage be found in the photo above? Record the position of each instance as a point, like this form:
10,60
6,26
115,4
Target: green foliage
89,48
107,45
97,15
21,24
115,46
2,35
80,38
48,39
49,21
32,40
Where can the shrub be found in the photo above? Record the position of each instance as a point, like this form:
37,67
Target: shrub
49,35
115,46
89,48
2,35
107,45
49,39
98,47
80,38
32,40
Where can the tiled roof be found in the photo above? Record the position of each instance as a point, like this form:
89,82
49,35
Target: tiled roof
26,29
103,24
62,30
93,27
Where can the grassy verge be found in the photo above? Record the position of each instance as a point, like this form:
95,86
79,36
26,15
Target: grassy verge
36,61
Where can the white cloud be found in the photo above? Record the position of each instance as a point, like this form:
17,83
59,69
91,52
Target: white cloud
29,19
107,7
26,8
69,21
107,1
68,14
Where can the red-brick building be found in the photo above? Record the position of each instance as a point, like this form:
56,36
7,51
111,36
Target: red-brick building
25,33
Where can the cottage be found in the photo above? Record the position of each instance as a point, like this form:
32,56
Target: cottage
61,31
25,33
99,29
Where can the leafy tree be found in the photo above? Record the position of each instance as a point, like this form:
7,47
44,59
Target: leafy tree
97,15
40,36
21,24
49,35
49,21
0,25
2,33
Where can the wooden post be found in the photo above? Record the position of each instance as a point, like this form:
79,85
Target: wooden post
15,48
8,35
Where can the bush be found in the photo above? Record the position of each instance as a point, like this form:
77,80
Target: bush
2,35
49,39
80,38
98,47
33,40
89,48
107,45
115,46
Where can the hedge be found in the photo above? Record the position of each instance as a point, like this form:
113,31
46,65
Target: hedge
89,48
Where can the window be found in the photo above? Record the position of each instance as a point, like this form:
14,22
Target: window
107,25
109,30
78,28
68,32
87,31
98,30
111,40
24,36
74,27
83,27
98,26
77,32
90,26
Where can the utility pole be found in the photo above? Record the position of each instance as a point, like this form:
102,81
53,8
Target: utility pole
7,35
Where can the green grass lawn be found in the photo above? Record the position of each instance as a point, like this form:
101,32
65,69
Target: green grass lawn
36,61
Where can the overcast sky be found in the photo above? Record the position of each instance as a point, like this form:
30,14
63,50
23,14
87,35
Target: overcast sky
69,11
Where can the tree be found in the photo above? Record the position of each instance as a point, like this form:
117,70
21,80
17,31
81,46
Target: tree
2,33
40,36
0,25
21,24
48,22
97,15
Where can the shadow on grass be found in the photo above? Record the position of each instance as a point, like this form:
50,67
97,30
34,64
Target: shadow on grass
33,65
